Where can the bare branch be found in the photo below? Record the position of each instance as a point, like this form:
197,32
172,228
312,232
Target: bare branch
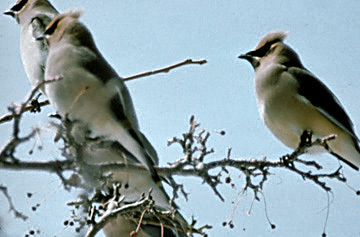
165,69
181,169
193,163
9,116
113,214
46,166
17,214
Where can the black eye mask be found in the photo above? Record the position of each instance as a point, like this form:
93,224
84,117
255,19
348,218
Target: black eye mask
18,6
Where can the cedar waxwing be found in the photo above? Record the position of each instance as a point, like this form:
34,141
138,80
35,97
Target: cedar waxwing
291,100
33,16
90,93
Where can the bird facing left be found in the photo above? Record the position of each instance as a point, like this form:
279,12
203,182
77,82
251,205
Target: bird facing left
291,100
33,16
89,92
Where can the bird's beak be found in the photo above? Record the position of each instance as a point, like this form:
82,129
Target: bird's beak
9,12
41,37
245,56
250,58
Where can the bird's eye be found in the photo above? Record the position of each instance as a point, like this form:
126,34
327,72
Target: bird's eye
266,49
271,49
261,52
52,27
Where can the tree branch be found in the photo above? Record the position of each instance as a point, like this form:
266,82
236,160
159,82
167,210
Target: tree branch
32,107
9,116
17,214
165,69
247,166
193,163
113,214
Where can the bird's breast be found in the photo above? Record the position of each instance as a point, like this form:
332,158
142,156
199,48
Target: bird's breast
32,56
279,105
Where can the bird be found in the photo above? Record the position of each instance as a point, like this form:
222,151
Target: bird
292,101
84,88
33,16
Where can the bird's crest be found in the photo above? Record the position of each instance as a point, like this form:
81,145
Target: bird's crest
21,4
72,13
272,37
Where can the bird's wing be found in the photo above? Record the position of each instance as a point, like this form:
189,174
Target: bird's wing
36,48
131,115
150,149
120,104
323,99
118,108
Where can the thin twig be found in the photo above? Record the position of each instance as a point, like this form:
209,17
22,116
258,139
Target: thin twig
165,69
17,214
113,214
9,116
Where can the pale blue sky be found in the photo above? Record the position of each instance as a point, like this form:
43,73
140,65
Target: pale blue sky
137,36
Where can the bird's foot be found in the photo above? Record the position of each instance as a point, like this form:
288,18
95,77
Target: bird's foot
35,104
306,139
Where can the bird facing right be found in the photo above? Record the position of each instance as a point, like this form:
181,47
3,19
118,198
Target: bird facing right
291,100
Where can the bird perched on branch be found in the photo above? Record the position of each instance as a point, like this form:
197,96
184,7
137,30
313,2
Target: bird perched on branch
291,100
33,16
89,92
